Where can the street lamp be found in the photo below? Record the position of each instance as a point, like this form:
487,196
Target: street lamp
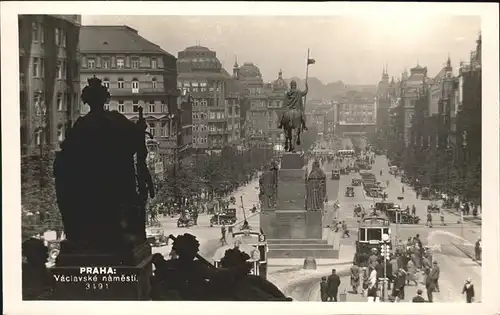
385,250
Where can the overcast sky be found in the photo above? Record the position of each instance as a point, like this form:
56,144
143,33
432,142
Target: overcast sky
351,49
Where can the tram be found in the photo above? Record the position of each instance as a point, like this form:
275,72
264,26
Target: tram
371,229
254,244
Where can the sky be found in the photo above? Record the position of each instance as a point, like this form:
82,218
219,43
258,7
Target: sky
349,48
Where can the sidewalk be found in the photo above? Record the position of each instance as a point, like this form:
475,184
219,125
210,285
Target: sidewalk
470,218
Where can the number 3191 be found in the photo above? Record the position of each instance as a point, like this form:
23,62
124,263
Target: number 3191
96,286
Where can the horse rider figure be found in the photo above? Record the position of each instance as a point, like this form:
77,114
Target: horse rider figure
293,116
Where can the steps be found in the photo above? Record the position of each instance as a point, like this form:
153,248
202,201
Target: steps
301,248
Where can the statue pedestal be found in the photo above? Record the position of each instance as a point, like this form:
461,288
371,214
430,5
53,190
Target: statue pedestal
293,232
103,276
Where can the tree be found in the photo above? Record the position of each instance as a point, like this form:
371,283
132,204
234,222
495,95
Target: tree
38,195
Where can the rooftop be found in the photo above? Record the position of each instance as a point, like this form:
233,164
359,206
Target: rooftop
116,38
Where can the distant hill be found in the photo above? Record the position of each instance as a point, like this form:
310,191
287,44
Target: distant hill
330,91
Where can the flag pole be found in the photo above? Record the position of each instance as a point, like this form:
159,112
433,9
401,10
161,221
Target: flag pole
307,75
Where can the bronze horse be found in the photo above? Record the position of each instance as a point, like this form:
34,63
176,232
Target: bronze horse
292,126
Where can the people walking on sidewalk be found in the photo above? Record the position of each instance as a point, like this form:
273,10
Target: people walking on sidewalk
478,249
345,230
429,285
355,271
468,289
323,288
333,285
435,275
429,219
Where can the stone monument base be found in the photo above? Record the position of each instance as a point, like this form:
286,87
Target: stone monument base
97,277
301,248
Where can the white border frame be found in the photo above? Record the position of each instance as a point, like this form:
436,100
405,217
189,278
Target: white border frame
11,154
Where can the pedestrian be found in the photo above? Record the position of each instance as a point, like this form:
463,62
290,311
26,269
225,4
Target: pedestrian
418,298
345,230
429,285
411,275
373,257
399,282
429,219
387,183
403,189
413,210
333,283
478,249
441,216
366,281
355,278
435,275
323,287
468,290
372,284
223,234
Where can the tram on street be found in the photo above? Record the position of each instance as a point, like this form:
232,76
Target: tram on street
371,229
254,244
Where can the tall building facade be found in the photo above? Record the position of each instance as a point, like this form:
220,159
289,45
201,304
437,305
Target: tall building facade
216,99
49,79
138,73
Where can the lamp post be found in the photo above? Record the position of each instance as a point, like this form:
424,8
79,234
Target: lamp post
385,251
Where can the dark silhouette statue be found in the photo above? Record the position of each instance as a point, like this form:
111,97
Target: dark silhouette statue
268,184
101,188
292,120
190,277
316,188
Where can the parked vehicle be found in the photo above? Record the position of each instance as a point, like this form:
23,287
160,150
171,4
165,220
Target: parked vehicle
356,182
349,191
335,174
156,236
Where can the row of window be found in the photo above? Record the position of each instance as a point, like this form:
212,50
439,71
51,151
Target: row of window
135,63
211,115
38,136
38,68
38,34
203,128
120,83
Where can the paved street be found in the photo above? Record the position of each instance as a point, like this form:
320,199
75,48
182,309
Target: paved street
209,236
452,260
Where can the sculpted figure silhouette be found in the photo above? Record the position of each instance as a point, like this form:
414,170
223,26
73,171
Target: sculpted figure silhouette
316,188
101,192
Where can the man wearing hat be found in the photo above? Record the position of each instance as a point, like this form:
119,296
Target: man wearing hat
468,290
323,287
418,298
435,275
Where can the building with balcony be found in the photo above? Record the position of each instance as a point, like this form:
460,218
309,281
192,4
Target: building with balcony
49,79
138,73
216,98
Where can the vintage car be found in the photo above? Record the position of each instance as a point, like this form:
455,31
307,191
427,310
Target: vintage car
375,192
356,182
335,174
401,216
228,217
156,236
349,192
185,220
384,205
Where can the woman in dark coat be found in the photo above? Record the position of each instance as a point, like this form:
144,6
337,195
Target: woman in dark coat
468,290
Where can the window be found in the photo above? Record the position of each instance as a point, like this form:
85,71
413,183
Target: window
203,86
36,67
63,38
195,128
121,106
38,137
196,102
154,83
135,106
154,63
59,69
120,63
106,106
57,37
121,84
152,106
152,129
135,86
91,63
60,134
212,115
59,101
105,82
194,86
35,31
105,63
134,63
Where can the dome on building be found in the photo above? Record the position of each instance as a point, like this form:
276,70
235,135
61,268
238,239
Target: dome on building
279,83
198,58
249,70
